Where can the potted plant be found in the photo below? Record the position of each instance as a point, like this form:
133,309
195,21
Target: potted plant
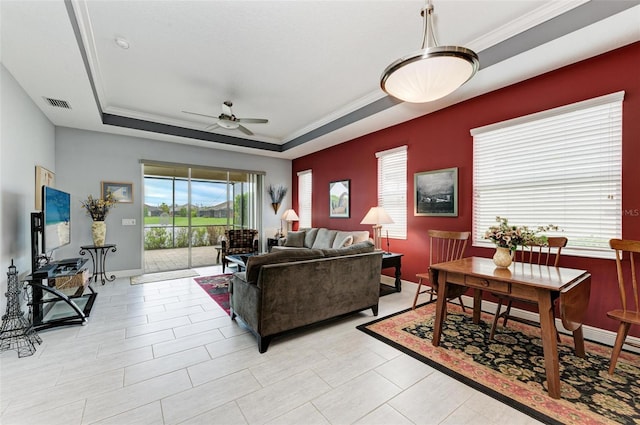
98,209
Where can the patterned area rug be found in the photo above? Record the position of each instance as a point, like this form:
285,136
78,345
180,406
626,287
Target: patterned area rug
511,367
217,287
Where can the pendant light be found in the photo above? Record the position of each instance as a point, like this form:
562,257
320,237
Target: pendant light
432,72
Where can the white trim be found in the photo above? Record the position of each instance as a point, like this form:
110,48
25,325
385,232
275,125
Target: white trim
301,173
391,151
596,101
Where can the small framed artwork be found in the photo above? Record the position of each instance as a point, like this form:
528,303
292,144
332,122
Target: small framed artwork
436,193
122,192
44,177
339,203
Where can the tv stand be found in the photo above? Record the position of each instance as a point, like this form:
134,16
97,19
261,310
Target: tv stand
51,307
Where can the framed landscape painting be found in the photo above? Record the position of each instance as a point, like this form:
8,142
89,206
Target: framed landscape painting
122,192
436,193
339,204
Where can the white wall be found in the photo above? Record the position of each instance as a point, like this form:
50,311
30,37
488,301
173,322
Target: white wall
27,139
85,158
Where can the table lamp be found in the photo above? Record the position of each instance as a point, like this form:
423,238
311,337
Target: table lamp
377,216
289,216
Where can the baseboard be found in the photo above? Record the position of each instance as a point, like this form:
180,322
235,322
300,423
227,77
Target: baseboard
591,333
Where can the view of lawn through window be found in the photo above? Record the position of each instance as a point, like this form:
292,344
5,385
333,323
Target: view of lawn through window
172,220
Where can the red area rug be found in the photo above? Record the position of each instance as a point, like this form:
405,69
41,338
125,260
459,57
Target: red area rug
510,368
217,287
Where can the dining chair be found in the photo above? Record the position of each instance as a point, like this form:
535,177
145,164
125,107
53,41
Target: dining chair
627,284
547,254
443,246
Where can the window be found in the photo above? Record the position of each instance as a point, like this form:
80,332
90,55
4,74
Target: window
304,198
561,166
392,189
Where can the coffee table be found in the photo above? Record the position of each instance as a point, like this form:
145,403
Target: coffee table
239,259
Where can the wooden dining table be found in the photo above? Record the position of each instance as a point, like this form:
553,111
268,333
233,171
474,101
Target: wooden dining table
531,282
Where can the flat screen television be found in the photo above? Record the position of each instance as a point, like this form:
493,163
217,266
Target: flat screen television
56,216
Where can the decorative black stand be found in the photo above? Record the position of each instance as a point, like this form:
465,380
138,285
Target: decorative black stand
98,256
16,332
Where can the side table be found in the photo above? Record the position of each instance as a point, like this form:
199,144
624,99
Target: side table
98,258
390,259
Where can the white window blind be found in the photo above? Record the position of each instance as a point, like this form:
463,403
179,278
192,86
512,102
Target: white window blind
561,166
304,198
392,189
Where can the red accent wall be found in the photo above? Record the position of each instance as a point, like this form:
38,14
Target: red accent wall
442,140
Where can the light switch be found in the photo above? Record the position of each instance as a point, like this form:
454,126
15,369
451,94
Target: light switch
128,221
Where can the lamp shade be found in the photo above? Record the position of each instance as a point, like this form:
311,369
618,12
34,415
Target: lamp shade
432,72
429,74
290,215
377,215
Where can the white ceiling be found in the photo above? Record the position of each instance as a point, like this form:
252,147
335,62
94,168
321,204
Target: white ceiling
312,68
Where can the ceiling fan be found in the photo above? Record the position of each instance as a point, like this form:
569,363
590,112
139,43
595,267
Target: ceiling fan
229,121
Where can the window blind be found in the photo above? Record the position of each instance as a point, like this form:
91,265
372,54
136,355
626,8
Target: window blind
304,198
392,189
561,167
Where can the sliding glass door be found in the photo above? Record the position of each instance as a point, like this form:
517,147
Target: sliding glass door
187,209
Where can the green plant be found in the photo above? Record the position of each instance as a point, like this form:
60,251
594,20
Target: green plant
98,209
156,238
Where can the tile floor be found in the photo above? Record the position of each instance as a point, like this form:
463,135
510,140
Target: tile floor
165,353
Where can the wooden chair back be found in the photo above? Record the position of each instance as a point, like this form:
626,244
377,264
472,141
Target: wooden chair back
627,271
446,246
627,248
544,254
443,246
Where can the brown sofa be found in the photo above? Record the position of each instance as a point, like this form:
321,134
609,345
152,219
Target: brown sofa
285,290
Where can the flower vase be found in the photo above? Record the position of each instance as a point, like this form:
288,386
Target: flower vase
502,257
98,232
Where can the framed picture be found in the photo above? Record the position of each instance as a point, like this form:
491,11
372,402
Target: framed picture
339,203
44,177
436,193
122,192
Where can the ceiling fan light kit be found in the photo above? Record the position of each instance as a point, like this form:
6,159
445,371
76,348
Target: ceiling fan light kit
432,72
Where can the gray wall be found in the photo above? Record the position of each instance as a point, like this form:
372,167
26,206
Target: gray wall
85,158
81,160
27,139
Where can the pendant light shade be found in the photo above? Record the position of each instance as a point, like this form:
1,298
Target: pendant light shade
430,73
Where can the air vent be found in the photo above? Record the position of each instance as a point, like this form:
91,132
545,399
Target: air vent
57,103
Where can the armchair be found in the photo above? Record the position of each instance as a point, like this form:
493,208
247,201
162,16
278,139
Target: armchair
238,241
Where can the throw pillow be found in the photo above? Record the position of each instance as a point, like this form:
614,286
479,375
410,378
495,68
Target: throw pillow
310,237
295,239
324,238
342,239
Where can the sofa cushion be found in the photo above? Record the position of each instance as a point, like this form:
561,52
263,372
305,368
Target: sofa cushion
310,236
342,239
324,238
356,248
360,236
255,262
295,239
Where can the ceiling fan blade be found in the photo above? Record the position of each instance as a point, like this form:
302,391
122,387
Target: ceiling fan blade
245,130
202,115
212,127
253,120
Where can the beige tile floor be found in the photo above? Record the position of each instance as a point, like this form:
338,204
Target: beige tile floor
165,353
